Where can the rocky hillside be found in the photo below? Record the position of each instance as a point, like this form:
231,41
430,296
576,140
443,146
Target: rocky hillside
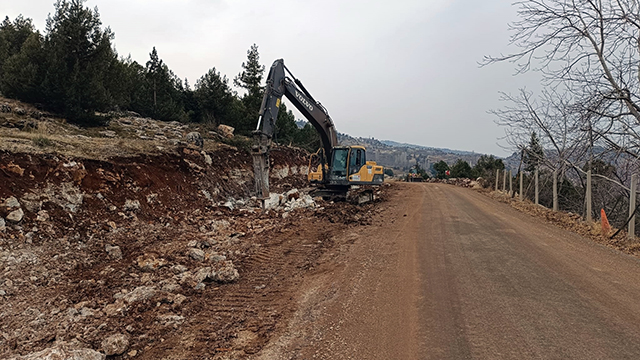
140,239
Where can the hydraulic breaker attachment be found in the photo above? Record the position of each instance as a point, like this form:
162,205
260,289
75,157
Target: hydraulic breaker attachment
260,154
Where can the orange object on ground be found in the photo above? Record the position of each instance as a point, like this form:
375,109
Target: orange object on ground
606,227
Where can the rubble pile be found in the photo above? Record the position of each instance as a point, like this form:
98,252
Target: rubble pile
463,182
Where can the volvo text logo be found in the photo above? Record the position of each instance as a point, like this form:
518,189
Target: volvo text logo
304,101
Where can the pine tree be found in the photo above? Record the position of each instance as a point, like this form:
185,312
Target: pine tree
23,72
79,55
250,79
441,168
12,36
215,99
308,138
533,154
154,72
21,59
461,169
161,93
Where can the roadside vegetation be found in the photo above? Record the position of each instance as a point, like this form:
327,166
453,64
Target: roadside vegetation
73,69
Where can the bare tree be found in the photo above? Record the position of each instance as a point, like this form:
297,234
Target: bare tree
589,54
591,49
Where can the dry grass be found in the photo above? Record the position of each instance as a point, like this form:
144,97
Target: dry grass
23,134
572,222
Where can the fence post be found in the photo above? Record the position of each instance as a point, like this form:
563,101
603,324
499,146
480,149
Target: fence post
504,180
497,177
555,190
632,207
537,190
521,185
510,183
588,197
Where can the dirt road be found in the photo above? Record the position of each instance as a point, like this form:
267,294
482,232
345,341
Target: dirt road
448,273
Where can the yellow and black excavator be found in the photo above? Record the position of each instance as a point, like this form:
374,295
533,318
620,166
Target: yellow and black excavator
341,167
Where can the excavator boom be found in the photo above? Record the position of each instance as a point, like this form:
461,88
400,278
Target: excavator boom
278,85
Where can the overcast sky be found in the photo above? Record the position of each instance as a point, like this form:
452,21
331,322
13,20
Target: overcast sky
399,70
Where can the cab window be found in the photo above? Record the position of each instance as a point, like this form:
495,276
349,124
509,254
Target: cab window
356,160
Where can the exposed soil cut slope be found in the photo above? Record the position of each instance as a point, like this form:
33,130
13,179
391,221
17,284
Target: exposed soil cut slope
159,254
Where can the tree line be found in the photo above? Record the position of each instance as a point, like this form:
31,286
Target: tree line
484,168
74,70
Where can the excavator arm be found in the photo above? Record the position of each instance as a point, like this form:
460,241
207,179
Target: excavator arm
278,85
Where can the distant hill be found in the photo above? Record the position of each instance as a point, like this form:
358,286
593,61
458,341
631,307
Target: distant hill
397,144
402,156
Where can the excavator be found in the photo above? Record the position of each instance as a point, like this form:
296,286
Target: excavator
341,167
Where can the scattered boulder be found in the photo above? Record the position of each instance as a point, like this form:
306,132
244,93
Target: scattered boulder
15,216
179,269
204,274
226,131
31,202
229,204
288,201
114,252
138,294
20,111
169,285
118,308
3,225
226,273
11,203
195,138
131,205
170,319
4,108
43,216
196,254
216,257
115,344
273,201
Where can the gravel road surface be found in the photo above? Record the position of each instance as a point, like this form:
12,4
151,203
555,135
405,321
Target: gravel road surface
447,273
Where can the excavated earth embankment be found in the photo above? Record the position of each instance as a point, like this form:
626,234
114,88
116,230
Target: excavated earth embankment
157,255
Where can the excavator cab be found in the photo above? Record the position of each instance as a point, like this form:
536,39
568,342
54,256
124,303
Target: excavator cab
349,166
